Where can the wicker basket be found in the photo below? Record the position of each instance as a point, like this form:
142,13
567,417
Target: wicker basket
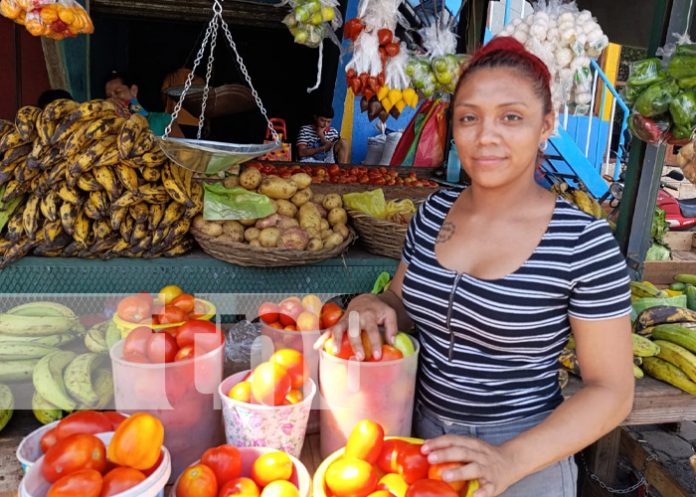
243,254
379,236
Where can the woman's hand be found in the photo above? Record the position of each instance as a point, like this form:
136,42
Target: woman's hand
479,460
365,312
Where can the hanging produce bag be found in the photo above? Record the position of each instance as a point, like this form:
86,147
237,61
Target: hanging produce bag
431,146
55,19
646,72
409,135
656,99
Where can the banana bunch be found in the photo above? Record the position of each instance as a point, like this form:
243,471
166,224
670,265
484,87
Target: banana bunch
580,199
90,183
675,363
102,336
645,289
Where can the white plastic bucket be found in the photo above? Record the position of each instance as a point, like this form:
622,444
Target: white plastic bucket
29,449
34,485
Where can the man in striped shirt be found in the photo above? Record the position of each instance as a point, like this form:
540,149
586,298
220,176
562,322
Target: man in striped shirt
319,142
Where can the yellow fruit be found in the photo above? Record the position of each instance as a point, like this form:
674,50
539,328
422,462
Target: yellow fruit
327,13
383,93
170,292
49,14
387,104
35,27
66,14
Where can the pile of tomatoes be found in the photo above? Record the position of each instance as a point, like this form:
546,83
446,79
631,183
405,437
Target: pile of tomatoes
172,305
383,176
219,474
276,382
371,465
77,462
191,339
295,314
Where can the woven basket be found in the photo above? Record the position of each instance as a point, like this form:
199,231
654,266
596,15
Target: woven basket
242,254
379,236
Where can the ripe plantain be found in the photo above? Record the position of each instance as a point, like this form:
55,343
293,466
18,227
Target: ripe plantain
126,228
151,174
13,189
51,230
15,227
49,206
153,193
129,134
101,229
127,176
117,217
155,215
139,232
68,215
30,216
68,194
172,213
139,212
87,183
107,179
82,228
25,122
91,210
175,190
144,145
127,199
180,249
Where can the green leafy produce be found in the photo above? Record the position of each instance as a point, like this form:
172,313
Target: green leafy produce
656,99
660,226
646,72
683,109
682,66
686,49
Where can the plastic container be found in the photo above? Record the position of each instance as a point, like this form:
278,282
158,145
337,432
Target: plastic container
319,488
29,450
34,485
300,476
125,327
352,390
454,166
181,394
253,425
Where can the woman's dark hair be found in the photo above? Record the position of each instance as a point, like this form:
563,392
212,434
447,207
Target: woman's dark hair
51,95
505,51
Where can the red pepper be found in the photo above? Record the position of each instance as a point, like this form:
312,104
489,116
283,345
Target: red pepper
350,73
363,77
368,94
392,49
353,28
373,85
380,79
385,36
355,85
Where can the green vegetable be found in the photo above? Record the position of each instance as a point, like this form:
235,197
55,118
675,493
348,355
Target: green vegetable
646,72
691,297
660,226
678,286
687,83
682,132
229,204
7,208
687,49
682,66
658,252
630,93
683,109
656,99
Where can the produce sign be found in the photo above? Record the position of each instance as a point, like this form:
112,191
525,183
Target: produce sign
55,19
307,314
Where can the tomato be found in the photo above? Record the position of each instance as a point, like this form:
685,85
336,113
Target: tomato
394,484
48,440
119,480
116,418
85,483
334,169
330,315
199,333
294,396
161,348
81,451
271,466
137,443
412,464
390,353
388,456
351,478
89,422
172,314
290,327
241,391
200,309
135,308
435,473
225,461
243,487
294,363
270,384
186,302
430,488
280,488
380,493
268,312
365,441
139,358
197,481
276,325
184,353
169,293
345,352
136,342
147,472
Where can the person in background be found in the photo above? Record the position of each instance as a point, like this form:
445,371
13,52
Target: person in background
121,89
51,95
186,121
319,142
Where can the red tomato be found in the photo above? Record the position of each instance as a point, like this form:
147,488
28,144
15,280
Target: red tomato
197,481
330,315
136,342
345,352
89,422
294,363
290,327
116,418
435,473
241,392
365,441
388,456
194,331
71,454
184,353
270,384
48,440
119,480
390,353
412,464
161,348
430,488
139,358
380,493
225,461
135,308
185,302
172,314
280,488
243,487
268,312
351,478
276,325
271,466
85,483
334,169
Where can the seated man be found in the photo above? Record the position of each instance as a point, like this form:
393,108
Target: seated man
123,91
319,142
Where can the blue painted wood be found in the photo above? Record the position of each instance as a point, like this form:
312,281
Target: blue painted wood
341,88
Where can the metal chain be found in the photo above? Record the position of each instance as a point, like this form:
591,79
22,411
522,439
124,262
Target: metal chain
209,73
642,482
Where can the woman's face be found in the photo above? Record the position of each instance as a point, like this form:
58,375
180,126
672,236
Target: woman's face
498,126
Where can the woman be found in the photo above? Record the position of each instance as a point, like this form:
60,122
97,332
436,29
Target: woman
494,277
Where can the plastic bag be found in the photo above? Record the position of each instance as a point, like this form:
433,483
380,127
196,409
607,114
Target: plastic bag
431,145
683,110
686,49
230,204
631,93
311,21
374,204
646,72
55,19
646,129
682,66
656,99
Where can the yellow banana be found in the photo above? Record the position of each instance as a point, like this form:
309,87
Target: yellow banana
25,122
68,215
151,174
139,212
129,134
127,176
15,227
155,215
174,189
126,228
52,229
669,373
127,199
49,206
678,356
68,194
82,228
117,217
30,216
87,183
101,229
13,189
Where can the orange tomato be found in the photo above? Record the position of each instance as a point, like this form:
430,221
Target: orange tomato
270,384
76,452
119,480
412,464
172,314
135,308
435,473
169,293
85,483
394,484
380,493
349,477
294,396
137,442
345,352
185,302
390,353
294,363
280,488
430,488
225,461
268,312
136,342
197,481
270,467
241,392
365,441
243,487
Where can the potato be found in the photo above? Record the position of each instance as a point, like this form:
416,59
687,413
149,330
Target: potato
320,209
212,228
294,238
333,241
251,234
269,237
337,216
233,230
324,225
318,198
199,222
277,188
313,233
302,197
309,216
255,243
267,222
248,222
231,182
331,201
250,179
286,208
341,229
326,234
285,222
302,180
315,245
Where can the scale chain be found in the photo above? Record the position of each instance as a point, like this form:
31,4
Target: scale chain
209,73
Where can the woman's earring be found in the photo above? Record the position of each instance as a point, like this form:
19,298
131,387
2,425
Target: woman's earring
543,145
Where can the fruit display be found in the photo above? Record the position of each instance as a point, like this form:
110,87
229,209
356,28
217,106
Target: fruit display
310,21
55,19
295,314
92,184
81,422
372,464
276,382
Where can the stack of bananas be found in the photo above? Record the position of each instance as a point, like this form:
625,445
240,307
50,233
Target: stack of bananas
581,199
93,184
